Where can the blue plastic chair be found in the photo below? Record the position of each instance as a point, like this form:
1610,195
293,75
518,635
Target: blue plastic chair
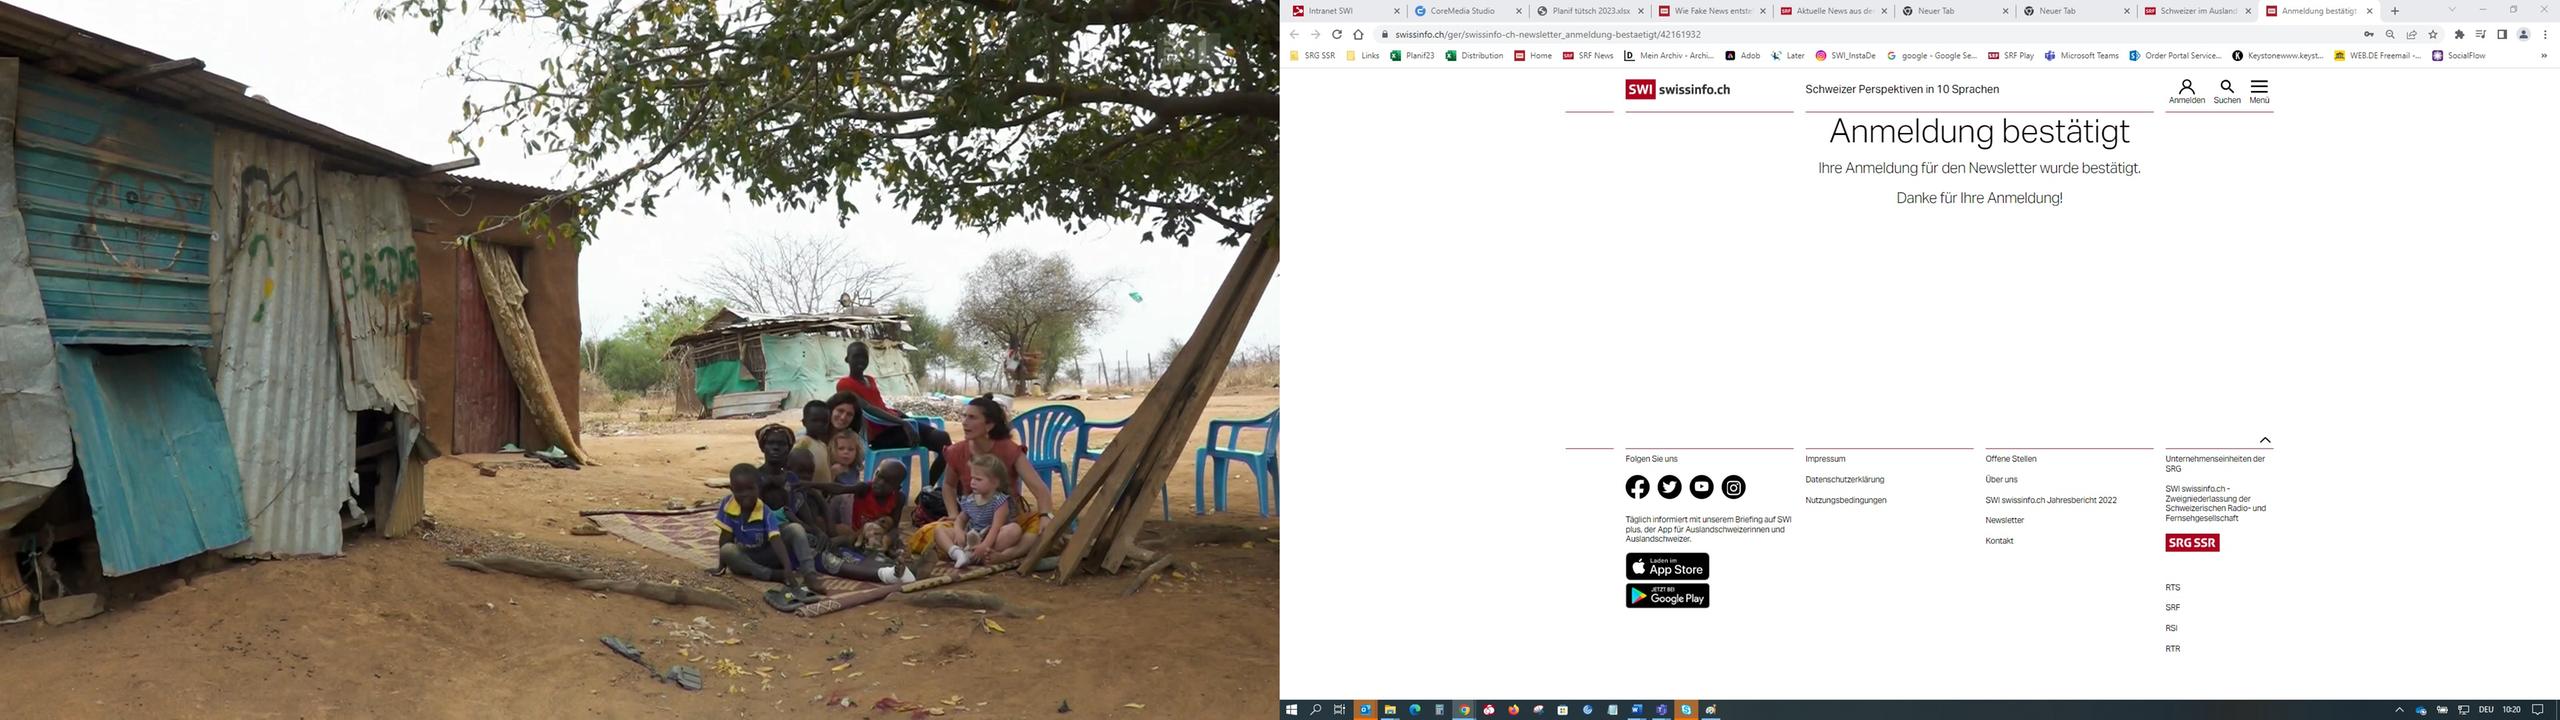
1266,486
1085,451
919,459
1043,432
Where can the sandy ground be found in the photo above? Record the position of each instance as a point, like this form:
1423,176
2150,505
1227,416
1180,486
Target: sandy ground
389,629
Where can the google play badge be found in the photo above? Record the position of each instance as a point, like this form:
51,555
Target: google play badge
1635,595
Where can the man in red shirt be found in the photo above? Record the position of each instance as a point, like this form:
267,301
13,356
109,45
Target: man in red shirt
883,425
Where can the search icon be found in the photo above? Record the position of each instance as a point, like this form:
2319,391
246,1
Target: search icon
2226,86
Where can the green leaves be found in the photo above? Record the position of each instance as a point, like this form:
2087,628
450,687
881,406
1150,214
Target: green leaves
1071,112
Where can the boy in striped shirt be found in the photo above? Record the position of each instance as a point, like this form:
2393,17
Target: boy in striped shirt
758,541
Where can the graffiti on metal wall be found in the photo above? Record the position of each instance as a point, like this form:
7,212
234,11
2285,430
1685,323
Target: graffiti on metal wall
381,271
282,198
128,193
269,203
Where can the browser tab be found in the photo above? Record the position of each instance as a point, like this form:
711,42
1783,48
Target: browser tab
1458,12
2078,11
1719,11
1301,11
1822,10
1611,11
2201,11
1941,11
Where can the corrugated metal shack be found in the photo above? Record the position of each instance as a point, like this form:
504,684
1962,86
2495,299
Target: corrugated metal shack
224,327
802,355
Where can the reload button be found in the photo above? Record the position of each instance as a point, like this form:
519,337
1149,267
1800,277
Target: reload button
1666,566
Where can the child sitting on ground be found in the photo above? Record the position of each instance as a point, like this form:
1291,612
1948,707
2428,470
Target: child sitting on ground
757,540
986,528
808,498
871,512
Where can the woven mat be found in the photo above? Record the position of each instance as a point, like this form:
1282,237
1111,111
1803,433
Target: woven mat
691,536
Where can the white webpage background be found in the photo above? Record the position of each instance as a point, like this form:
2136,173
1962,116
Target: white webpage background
2367,277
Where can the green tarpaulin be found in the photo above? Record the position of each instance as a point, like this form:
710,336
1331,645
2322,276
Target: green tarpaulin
806,365
720,378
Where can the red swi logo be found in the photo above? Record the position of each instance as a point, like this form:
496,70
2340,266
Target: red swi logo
2150,10
1519,56
1297,11
1640,89
1662,11
1786,10
2271,11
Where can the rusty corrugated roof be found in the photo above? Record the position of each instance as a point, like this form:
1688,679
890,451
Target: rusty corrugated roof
481,182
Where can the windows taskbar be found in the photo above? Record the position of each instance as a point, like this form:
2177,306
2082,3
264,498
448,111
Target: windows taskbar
1915,709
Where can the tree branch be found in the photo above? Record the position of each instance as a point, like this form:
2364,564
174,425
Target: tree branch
1190,208
1201,13
1253,103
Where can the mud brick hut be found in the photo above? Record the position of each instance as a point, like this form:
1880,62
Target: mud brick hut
471,401
227,328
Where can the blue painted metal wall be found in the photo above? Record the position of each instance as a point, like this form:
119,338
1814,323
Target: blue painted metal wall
154,452
117,195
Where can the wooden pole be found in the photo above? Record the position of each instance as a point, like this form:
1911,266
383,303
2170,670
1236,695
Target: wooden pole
1157,433
962,576
1200,381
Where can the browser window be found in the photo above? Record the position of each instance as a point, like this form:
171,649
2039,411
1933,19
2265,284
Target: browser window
1951,359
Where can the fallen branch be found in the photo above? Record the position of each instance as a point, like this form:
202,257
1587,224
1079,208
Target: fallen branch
669,594
590,580
969,574
1162,560
523,566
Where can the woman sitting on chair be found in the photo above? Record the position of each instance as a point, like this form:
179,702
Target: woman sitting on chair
985,431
